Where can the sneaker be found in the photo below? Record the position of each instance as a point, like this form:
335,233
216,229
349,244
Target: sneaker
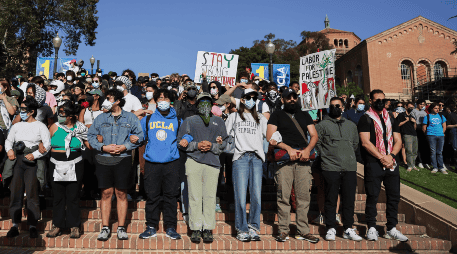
13,232
196,236
351,235
75,232
415,168
243,237
409,169
104,234
218,208
372,234
338,219
396,235
253,234
282,237
308,237
172,234
122,234
33,232
54,232
434,170
207,236
444,171
149,232
428,166
420,165
330,236
319,220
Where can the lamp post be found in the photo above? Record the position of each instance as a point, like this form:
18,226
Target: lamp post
92,61
57,42
270,48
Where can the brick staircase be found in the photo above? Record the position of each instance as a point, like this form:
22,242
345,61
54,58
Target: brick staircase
224,234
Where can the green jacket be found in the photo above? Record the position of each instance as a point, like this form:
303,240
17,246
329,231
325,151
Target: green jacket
338,140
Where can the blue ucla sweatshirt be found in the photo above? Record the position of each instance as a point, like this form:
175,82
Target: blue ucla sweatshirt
162,131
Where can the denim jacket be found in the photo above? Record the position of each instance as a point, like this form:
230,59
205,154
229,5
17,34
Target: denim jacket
113,132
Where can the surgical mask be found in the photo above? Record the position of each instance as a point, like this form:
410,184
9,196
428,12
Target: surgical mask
107,105
192,93
243,81
1,90
153,79
99,74
213,91
423,108
62,119
95,85
256,82
361,107
198,88
163,105
222,107
400,110
149,95
24,116
120,88
249,104
69,78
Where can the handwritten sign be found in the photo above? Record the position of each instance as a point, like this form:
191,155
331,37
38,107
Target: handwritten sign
317,79
218,66
281,72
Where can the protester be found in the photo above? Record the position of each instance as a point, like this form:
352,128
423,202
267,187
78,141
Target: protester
434,125
50,99
8,107
113,163
187,105
381,142
407,124
202,166
451,126
293,125
354,114
423,151
22,149
66,169
132,103
161,176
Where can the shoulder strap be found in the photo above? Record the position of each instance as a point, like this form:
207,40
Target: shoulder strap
259,108
147,123
298,127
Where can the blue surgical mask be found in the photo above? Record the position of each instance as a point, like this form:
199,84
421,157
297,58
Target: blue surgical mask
423,108
163,105
149,95
361,107
24,116
243,81
95,85
249,104
198,88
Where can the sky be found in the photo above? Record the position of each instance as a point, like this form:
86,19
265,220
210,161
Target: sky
164,36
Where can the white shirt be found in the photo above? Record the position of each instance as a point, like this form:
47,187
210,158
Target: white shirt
265,107
75,69
132,103
23,87
31,134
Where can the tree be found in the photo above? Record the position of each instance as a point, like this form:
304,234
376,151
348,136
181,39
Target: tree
351,89
28,26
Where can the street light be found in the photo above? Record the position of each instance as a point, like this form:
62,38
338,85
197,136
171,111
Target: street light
270,48
57,42
92,61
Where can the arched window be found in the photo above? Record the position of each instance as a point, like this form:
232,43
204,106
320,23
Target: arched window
340,43
407,74
335,42
349,77
359,74
346,43
423,72
440,70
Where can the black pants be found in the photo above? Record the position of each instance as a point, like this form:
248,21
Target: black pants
89,178
24,178
65,206
226,160
161,177
423,153
347,182
182,186
374,176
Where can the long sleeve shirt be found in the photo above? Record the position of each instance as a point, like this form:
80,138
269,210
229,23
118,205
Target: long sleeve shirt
31,134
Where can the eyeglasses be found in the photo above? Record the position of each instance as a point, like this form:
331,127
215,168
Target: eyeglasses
441,105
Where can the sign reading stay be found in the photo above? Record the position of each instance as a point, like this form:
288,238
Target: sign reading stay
218,66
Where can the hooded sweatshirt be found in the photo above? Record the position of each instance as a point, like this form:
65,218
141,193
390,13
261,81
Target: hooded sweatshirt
162,131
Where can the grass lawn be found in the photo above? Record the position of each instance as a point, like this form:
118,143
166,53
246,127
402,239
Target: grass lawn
439,186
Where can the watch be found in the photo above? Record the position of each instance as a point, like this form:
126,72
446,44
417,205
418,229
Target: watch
393,155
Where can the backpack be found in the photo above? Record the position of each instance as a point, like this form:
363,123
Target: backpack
428,119
147,131
260,106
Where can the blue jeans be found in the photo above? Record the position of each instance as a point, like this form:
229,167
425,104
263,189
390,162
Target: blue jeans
436,150
247,170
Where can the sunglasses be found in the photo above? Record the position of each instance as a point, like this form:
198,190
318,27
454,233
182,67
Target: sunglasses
214,87
292,96
192,88
337,105
249,97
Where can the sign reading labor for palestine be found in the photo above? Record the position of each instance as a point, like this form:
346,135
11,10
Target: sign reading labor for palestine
317,79
218,66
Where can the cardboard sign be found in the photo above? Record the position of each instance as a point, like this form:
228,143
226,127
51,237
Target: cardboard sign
218,66
281,72
45,66
317,79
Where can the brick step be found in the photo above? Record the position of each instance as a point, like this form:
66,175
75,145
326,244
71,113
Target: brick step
225,242
222,228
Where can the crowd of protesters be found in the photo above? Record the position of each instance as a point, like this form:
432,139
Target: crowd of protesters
100,136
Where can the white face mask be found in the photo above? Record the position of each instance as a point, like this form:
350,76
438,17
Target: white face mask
149,95
107,104
99,74
69,78
120,88
222,108
213,91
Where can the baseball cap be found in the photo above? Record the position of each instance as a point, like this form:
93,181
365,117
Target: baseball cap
204,95
288,92
224,99
96,92
248,91
73,61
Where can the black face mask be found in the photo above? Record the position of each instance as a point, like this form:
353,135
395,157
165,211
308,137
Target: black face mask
290,107
192,93
378,105
409,110
334,112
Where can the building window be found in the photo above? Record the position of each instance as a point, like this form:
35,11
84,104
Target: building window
335,42
346,43
349,77
405,72
340,43
359,74
440,70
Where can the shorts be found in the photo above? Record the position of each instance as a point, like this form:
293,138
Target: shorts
120,176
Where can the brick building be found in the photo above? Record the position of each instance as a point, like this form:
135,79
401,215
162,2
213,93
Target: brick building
343,41
413,54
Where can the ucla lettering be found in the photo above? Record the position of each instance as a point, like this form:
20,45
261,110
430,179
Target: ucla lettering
161,125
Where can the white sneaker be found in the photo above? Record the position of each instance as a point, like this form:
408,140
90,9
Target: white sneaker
330,236
420,165
351,235
396,235
444,171
338,219
434,170
428,166
319,220
372,234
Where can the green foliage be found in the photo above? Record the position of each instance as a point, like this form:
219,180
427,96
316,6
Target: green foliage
286,51
28,26
350,89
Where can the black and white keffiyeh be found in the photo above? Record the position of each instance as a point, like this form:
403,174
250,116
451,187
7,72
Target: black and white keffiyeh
80,132
40,94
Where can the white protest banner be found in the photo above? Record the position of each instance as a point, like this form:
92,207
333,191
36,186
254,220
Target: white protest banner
317,79
218,66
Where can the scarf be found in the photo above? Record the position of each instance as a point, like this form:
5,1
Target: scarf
80,132
204,110
380,132
40,94
5,115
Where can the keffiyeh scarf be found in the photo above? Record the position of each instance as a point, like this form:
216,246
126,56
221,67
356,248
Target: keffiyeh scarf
40,94
380,145
80,132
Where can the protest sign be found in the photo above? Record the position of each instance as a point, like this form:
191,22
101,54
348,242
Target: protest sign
317,79
281,72
45,66
218,66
